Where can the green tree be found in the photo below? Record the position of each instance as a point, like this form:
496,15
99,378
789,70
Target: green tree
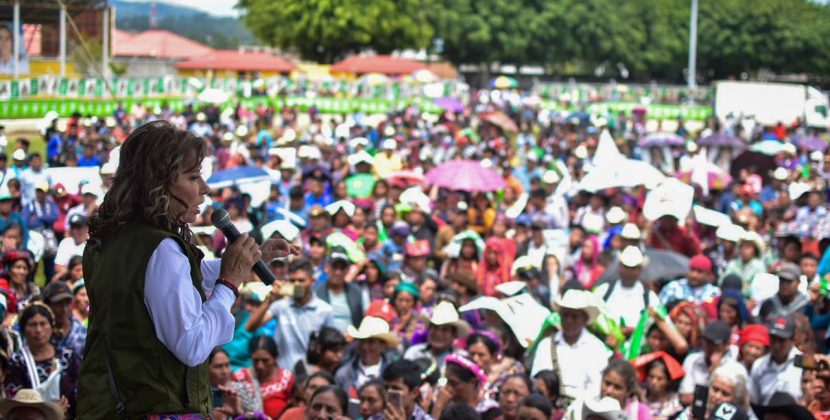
327,30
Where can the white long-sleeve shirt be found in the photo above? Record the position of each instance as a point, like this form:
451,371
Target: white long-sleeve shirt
188,327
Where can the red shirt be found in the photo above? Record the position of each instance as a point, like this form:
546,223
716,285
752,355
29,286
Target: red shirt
275,393
679,240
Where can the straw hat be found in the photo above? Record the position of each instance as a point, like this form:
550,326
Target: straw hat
445,314
579,300
30,398
372,327
781,174
755,239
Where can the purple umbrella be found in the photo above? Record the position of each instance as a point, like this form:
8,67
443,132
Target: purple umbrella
661,139
811,143
722,140
465,175
449,103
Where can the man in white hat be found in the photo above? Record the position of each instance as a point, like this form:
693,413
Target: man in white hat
772,190
727,236
575,346
374,338
445,326
387,161
556,204
626,297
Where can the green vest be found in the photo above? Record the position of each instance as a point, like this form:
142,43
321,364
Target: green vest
149,377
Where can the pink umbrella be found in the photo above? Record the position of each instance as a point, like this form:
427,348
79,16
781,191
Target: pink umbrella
465,175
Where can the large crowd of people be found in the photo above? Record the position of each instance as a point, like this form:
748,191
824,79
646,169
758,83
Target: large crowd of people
412,301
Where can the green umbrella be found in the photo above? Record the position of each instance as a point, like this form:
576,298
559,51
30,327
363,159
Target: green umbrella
360,185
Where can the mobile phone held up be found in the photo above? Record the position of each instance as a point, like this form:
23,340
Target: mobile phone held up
218,397
809,362
395,399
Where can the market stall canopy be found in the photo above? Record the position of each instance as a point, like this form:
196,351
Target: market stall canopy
238,61
386,64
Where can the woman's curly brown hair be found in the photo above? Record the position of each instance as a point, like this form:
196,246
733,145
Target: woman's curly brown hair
150,160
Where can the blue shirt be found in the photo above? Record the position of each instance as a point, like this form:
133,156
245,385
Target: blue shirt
680,290
296,325
85,161
53,147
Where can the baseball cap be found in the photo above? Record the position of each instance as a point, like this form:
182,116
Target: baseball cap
77,220
56,292
339,254
717,332
782,327
788,271
700,263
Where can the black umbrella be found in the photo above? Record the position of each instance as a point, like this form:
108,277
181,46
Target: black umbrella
660,266
754,162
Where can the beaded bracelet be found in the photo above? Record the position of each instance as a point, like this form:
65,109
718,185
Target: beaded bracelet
229,285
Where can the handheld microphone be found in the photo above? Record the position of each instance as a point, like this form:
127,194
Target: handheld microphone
222,221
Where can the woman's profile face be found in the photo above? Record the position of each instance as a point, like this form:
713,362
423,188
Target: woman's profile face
190,188
77,272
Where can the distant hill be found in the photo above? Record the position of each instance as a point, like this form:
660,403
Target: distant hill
130,9
221,32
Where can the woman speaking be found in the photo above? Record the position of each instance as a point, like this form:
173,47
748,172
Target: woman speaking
157,308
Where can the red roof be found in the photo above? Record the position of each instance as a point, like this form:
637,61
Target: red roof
385,64
120,37
238,61
160,44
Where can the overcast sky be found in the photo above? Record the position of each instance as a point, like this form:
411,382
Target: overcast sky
216,7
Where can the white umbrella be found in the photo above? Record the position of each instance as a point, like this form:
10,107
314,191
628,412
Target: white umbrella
620,173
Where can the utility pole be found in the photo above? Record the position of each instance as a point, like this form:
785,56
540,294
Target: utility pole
693,46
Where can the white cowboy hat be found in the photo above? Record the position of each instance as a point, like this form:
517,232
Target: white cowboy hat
730,232
361,157
781,174
615,215
285,228
30,398
631,231
631,257
372,327
445,314
579,300
345,205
